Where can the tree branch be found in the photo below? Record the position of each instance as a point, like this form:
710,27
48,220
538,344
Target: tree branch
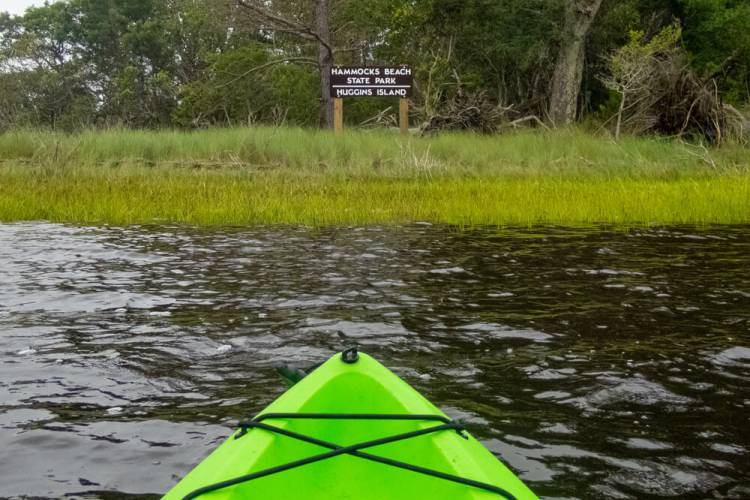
277,22
307,60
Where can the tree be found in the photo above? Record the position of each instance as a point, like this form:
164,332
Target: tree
717,38
659,92
634,71
568,73
500,49
127,47
188,63
45,84
317,30
227,94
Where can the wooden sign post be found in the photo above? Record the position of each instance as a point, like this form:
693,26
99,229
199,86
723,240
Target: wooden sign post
403,115
371,81
338,115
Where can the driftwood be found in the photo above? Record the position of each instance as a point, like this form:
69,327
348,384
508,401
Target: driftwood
384,118
660,93
695,109
525,119
467,111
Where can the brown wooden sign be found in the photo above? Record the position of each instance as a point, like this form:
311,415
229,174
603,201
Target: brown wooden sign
371,81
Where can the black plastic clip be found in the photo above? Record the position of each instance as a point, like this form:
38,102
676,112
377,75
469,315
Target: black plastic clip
350,356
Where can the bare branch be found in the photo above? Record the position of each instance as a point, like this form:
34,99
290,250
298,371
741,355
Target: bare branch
534,118
306,60
277,22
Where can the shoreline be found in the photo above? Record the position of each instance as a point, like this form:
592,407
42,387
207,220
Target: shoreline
309,177
225,199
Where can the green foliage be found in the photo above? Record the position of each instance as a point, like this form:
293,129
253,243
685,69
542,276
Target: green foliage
614,23
224,96
232,93
294,94
637,56
659,93
718,38
501,46
187,63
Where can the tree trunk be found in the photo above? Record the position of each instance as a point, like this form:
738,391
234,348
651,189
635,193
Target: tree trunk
325,59
568,75
619,116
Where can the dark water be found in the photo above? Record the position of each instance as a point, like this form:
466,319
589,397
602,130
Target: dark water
596,364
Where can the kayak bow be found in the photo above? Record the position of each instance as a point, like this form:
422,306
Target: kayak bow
351,429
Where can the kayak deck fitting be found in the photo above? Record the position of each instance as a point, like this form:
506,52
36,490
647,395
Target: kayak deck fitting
351,429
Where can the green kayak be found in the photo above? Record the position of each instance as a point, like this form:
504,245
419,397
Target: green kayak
351,429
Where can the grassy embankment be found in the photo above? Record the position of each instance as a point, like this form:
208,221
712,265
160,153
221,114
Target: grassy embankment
269,176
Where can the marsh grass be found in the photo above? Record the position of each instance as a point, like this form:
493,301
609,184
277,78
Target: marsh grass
295,176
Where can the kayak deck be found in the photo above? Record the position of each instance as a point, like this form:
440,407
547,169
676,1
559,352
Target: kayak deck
361,387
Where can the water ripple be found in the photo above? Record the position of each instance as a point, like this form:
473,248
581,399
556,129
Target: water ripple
595,363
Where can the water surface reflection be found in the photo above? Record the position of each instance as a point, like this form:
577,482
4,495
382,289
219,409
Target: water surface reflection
595,363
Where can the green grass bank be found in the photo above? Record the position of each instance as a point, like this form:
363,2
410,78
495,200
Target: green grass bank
295,176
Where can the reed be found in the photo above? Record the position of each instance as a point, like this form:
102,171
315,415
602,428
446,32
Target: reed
295,176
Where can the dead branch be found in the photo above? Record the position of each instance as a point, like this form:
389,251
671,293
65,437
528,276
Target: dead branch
660,93
277,22
466,111
534,118
384,118
306,60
